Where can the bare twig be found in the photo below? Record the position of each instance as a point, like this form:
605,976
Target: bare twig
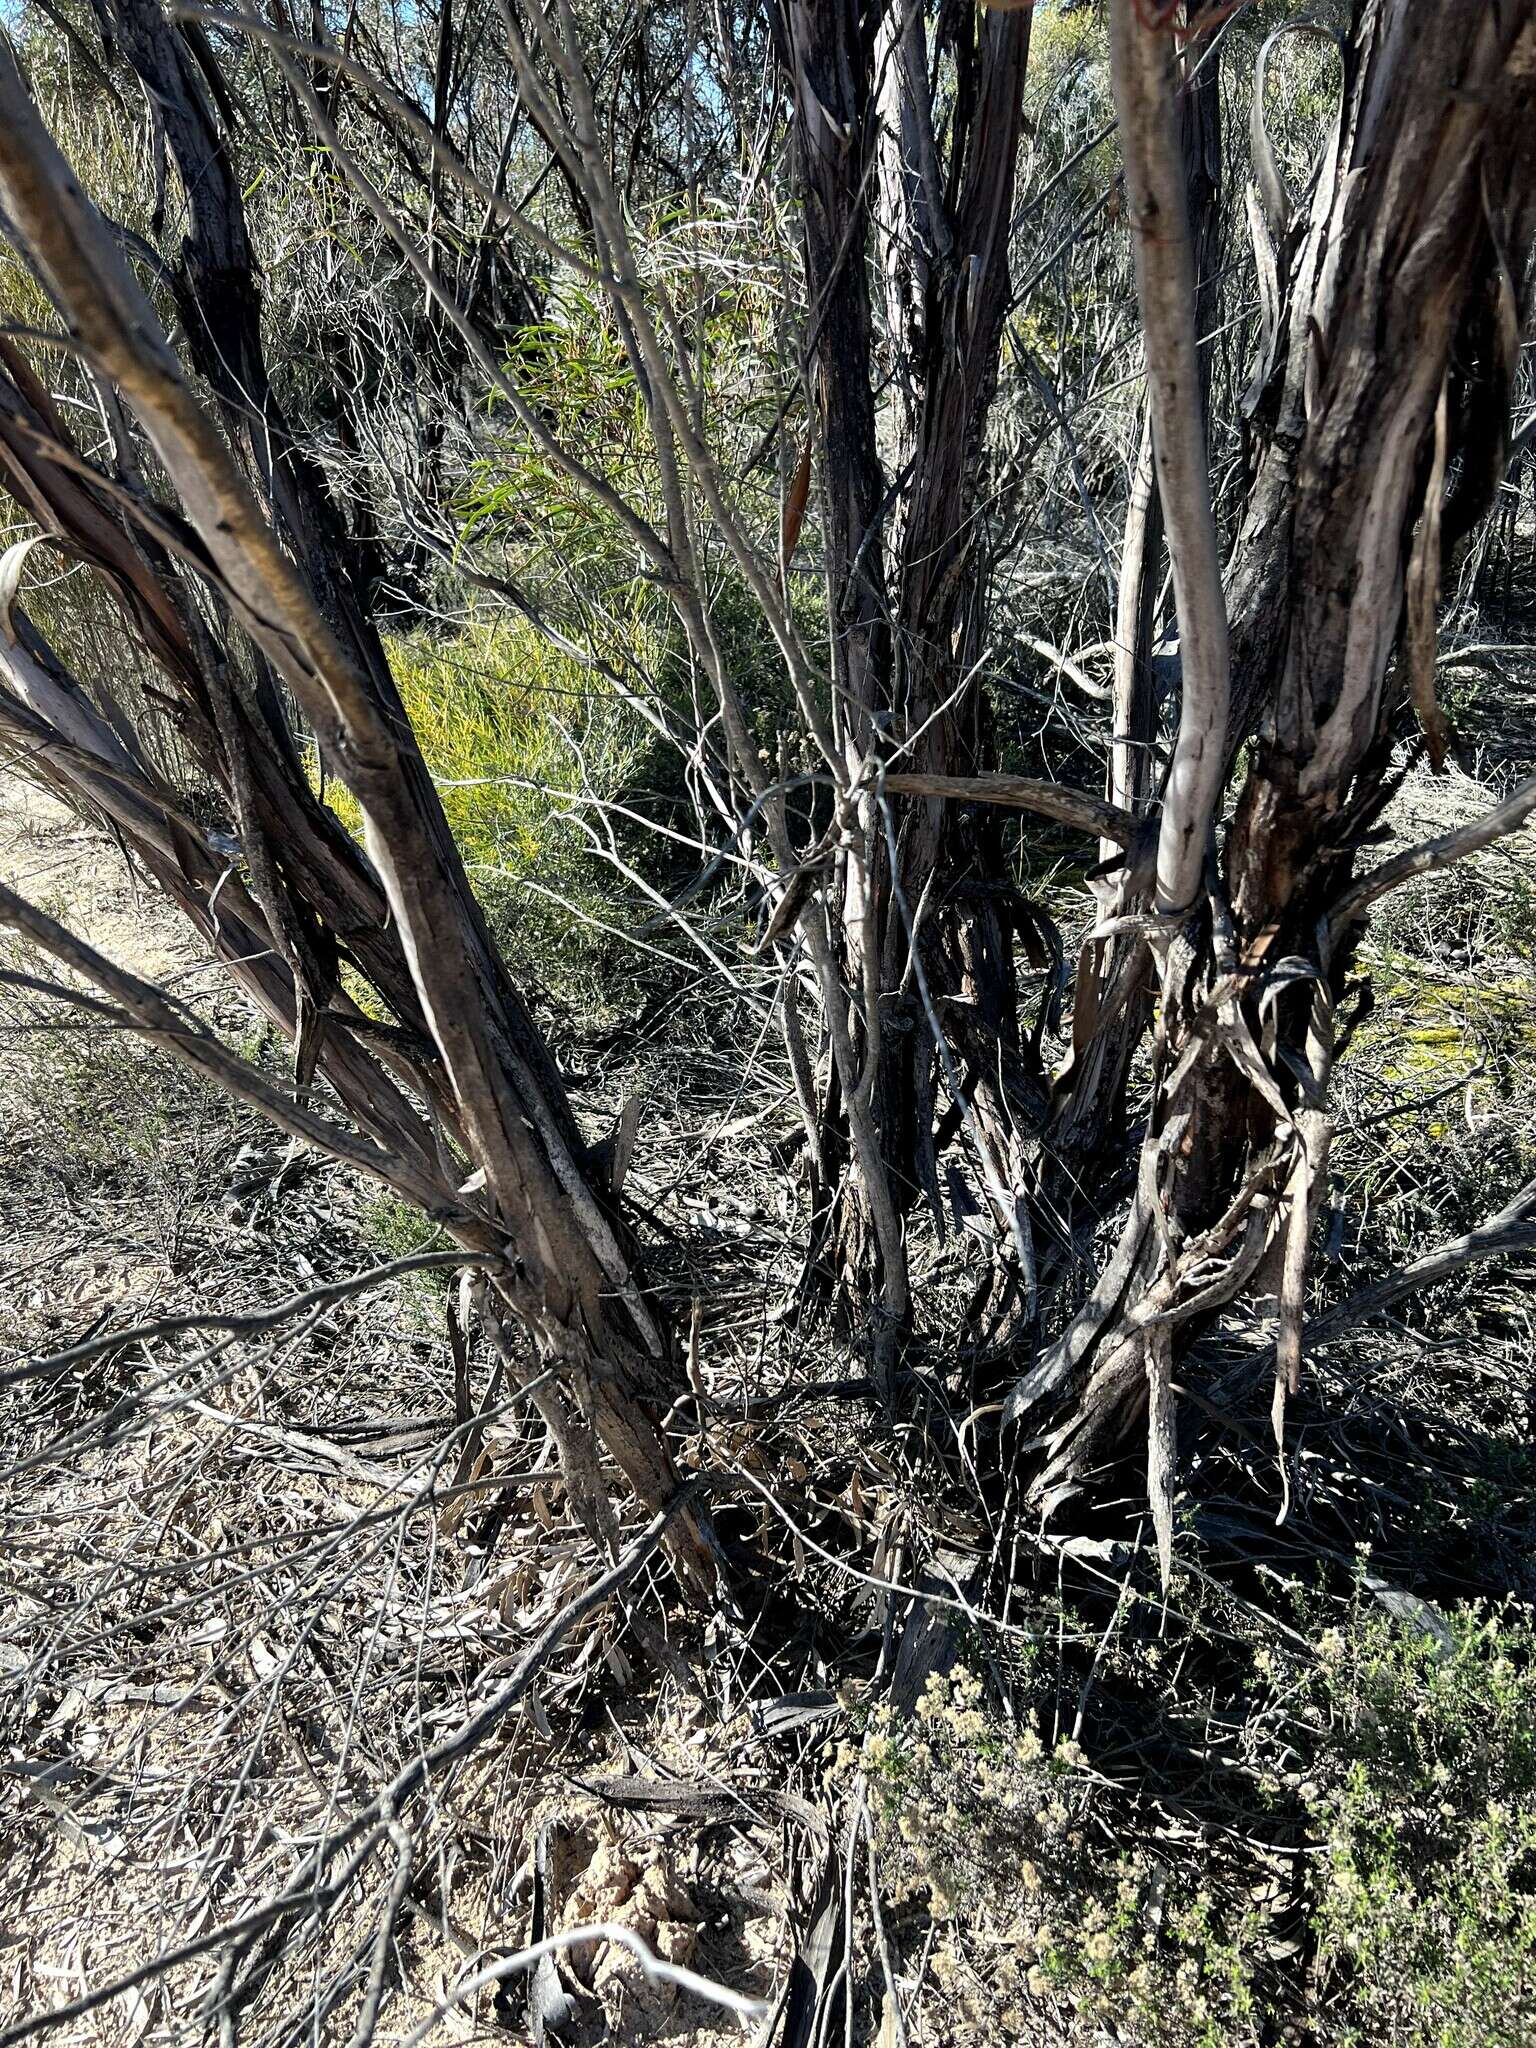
652,1966
1512,1230
1505,817
317,1884
253,1320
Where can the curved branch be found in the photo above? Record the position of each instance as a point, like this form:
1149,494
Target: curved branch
254,1319
1505,817
1512,1230
1023,793
652,1966
1142,66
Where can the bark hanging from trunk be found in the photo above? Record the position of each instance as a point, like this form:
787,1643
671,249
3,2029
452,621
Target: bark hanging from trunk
956,857
905,558
1437,142
218,298
467,1043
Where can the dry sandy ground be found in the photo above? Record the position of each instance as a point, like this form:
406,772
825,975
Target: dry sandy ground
76,873
221,1630
215,1637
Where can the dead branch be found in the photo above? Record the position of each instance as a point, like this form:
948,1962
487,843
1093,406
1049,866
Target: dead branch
1505,817
318,1883
1511,1231
1022,792
254,1320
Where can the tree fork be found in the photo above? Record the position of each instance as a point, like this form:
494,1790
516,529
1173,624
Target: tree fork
1441,113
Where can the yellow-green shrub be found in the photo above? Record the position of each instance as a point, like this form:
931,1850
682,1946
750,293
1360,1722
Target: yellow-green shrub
522,741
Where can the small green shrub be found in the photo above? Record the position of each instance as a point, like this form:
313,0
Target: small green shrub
995,1830
1426,1920
1408,1917
401,1230
523,742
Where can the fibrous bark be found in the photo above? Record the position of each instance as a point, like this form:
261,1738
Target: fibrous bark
1431,176
461,1081
904,555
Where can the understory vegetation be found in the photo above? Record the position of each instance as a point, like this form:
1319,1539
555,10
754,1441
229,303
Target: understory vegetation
507,728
